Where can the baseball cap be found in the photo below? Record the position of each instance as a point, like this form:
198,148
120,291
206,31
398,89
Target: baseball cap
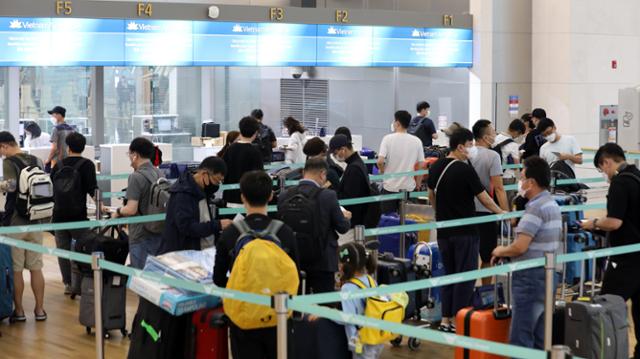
337,142
58,109
452,128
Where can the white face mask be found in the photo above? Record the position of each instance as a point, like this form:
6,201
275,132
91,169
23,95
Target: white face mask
393,128
428,114
521,192
551,137
472,152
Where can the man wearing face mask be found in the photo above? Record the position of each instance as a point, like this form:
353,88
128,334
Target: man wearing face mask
190,223
355,180
538,232
534,139
422,126
488,166
328,219
622,222
59,134
142,241
507,146
559,147
453,187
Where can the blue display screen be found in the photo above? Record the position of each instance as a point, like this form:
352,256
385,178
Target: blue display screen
113,42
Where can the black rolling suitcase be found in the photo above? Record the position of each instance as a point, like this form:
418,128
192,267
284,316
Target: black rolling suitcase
114,304
317,339
392,270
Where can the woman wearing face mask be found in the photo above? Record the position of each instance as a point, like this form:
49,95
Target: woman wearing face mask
34,136
293,152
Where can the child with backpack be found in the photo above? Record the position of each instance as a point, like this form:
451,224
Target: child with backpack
261,255
356,267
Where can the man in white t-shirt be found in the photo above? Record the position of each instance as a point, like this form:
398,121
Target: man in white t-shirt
558,147
399,152
508,144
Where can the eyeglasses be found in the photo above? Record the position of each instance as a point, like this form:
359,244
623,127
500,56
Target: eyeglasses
599,170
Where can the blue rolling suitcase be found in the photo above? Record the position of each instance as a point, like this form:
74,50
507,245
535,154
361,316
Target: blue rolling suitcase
576,242
571,200
390,243
6,282
429,265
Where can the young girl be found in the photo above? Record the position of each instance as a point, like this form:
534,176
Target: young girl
355,264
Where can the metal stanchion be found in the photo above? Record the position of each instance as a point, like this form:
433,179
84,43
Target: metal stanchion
560,352
97,302
282,183
549,298
280,305
402,212
99,201
358,234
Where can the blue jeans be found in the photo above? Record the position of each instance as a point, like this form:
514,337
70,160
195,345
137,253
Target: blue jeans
138,252
527,322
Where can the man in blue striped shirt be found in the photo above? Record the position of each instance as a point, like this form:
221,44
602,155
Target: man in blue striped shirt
538,232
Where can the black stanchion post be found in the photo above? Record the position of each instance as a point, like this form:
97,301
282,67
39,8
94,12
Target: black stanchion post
280,305
402,213
549,299
282,183
96,257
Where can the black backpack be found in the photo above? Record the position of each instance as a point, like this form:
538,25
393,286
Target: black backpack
68,195
263,143
498,149
300,212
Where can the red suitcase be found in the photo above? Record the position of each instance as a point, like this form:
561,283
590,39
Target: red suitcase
210,334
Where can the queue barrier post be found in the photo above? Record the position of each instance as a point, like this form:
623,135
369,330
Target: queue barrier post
402,212
282,314
560,352
282,183
358,234
98,201
549,298
96,257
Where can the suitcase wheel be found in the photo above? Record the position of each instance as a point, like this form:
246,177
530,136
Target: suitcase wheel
73,296
397,341
107,335
413,344
431,303
88,329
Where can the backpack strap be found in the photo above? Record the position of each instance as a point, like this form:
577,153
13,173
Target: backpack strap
435,190
358,283
79,163
503,143
630,175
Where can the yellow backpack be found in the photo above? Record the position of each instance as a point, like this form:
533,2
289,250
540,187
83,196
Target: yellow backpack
391,310
260,267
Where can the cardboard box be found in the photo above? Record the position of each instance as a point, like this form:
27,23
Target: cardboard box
174,301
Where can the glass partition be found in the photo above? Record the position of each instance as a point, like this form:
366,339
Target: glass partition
4,95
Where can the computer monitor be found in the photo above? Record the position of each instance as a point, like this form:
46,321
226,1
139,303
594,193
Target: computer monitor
164,125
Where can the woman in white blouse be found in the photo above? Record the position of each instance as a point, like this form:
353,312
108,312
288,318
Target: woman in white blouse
293,152
34,136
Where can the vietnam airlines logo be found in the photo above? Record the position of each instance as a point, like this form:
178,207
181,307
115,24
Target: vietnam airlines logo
132,26
332,31
237,28
415,33
337,31
241,29
15,24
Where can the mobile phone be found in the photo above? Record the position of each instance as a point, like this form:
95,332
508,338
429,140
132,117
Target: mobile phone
556,153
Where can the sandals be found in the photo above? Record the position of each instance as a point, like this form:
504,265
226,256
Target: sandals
15,318
450,328
40,317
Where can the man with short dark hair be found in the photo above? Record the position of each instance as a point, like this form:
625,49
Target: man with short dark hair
60,132
355,180
71,206
507,144
539,232
14,161
486,162
190,223
622,222
242,157
142,242
534,139
317,148
265,139
422,126
399,152
558,147
453,187
328,219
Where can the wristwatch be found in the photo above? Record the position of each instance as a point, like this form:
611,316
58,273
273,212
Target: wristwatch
595,224
118,212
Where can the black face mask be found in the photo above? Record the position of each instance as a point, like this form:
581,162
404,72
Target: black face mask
211,189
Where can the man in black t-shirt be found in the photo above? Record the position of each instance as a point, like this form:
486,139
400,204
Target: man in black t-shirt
453,185
265,140
623,224
241,157
534,139
422,126
256,189
72,206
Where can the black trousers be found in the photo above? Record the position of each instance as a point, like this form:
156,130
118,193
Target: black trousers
321,282
623,281
459,254
254,343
